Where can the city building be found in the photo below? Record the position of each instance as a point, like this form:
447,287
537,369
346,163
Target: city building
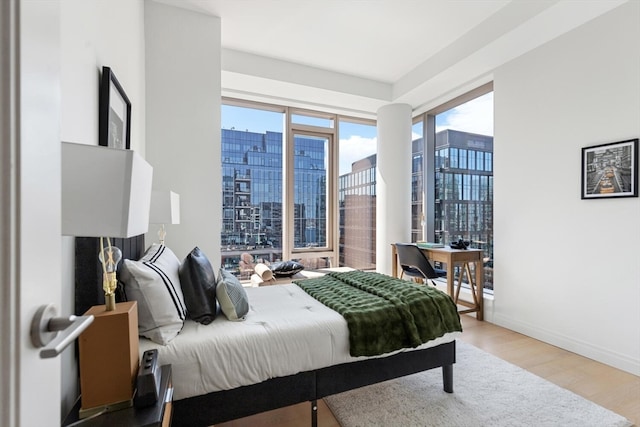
252,186
464,198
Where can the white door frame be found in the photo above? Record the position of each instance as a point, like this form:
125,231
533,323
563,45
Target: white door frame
30,240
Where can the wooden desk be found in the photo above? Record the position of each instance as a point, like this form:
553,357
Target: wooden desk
451,257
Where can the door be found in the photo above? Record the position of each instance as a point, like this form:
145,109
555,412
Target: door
30,240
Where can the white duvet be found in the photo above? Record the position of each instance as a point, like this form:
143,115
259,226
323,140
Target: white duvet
285,332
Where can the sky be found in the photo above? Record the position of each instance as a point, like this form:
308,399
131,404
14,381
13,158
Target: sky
358,141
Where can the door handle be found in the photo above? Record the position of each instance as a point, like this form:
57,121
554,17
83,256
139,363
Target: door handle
45,327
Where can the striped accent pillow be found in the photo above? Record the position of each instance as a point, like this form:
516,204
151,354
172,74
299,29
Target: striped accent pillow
154,283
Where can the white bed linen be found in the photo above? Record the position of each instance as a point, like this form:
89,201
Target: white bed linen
285,332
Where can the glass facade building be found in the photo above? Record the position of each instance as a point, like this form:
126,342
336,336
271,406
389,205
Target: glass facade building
252,176
252,186
463,192
357,204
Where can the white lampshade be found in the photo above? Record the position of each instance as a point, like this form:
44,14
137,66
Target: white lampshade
105,191
165,207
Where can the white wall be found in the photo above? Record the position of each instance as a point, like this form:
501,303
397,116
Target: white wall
95,33
183,123
568,270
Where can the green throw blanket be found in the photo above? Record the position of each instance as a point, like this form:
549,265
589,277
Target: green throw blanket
384,313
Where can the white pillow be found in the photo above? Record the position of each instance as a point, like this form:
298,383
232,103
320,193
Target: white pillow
232,297
154,283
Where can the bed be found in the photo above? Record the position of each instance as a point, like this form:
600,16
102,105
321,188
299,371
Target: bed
279,360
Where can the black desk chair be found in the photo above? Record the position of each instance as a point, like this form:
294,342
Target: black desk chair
415,264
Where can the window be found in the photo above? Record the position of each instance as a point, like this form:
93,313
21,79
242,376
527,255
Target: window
252,140
280,184
311,193
357,201
461,141
417,187
466,212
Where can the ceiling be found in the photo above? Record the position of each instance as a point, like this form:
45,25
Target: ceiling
357,55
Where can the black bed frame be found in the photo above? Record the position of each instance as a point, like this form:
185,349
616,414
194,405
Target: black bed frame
310,386
274,393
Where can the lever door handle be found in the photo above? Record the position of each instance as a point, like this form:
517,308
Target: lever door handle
45,327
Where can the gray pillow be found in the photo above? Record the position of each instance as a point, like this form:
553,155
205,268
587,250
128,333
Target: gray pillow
154,283
232,297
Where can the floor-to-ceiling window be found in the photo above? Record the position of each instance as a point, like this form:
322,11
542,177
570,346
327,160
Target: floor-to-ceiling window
462,179
282,194
311,180
418,218
252,181
357,193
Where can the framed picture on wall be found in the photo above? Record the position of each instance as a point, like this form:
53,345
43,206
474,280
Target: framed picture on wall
610,170
115,112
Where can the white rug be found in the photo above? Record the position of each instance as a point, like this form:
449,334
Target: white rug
487,392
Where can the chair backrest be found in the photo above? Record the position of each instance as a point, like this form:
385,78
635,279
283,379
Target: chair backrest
411,257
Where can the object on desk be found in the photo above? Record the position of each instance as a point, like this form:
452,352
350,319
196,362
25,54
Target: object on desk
429,245
460,244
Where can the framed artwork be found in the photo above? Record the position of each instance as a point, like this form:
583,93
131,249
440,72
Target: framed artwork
115,112
610,170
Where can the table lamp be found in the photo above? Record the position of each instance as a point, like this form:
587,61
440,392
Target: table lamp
165,209
106,193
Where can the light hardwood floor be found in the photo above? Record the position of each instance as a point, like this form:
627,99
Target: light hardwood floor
609,387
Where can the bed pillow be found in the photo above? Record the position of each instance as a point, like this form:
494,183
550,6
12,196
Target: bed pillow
198,282
232,297
154,283
286,268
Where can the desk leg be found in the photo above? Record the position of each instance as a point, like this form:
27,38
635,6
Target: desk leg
394,262
480,289
450,278
473,283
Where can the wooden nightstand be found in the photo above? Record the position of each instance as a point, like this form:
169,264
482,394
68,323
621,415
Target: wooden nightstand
158,415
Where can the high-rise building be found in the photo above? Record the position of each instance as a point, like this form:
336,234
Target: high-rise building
252,196
464,192
357,204
252,185
463,205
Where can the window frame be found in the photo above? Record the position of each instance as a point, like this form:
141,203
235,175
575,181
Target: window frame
289,250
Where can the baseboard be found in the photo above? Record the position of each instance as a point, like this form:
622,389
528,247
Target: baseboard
606,356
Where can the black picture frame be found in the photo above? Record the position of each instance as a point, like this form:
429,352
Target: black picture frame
115,112
610,170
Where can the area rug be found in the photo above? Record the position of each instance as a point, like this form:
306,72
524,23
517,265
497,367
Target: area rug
487,392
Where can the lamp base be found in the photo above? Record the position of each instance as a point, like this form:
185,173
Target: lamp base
110,302
85,413
108,358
